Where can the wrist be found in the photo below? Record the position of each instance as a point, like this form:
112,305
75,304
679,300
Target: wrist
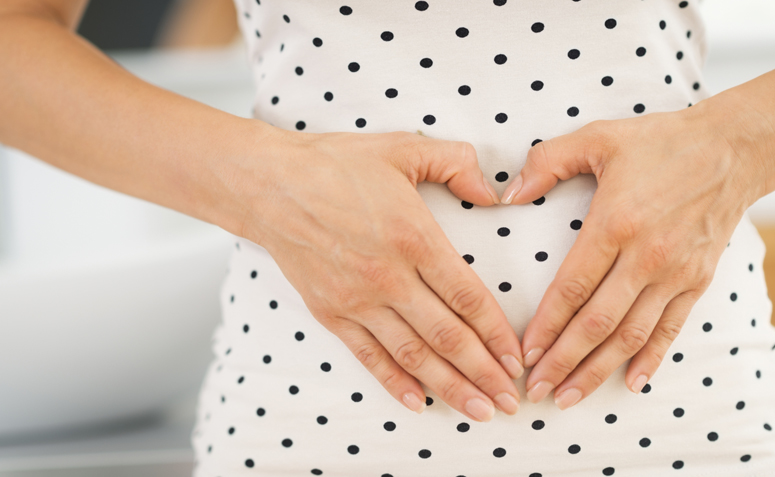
740,128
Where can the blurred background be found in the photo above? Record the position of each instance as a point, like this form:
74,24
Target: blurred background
108,303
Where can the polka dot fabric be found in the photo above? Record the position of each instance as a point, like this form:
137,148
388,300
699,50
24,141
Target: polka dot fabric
284,397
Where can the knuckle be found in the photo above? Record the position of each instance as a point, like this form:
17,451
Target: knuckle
596,375
657,255
633,337
561,367
669,330
392,379
405,239
369,354
465,299
577,290
486,381
624,224
411,355
598,325
376,273
446,338
450,389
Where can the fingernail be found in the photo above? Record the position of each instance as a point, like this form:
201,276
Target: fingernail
511,365
491,191
414,403
639,383
478,408
539,391
567,398
507,403
532,357
512,190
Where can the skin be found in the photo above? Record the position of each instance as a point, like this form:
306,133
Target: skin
672,187
355,213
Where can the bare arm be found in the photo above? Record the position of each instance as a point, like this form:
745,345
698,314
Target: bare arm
65,102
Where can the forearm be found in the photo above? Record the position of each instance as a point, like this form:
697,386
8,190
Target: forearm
744,116
65,102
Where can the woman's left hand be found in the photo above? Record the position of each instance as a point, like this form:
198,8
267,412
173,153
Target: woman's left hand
671,191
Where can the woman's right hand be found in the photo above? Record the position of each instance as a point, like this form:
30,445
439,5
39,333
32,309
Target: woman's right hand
341,216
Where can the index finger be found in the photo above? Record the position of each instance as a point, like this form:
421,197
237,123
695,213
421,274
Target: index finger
588,261
462,290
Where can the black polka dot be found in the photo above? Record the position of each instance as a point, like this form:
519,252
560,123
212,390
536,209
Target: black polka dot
733,296
539,200
537,85
538,425
299,70
464,90
610,23
607,81
245,328
322,420
668,79
712,436
504,231
574,54
317,42
541,256
575,224
679,55
537,27
468,258
360,122
646,389
461,32
353,67
429,119
231,430
573,111
707,381
640,51
535,141
389,426
421,6
609,471
356,397
745,458
645,442
696,86
428,400
753,322
463,427
345,10
767,427
707,327
249,463
267,359
678,412
499,452
301,125
466,205
287,443
740,405
353,449
502,176
610,419
678,464
293,389
639,108
683,4
325,367
501,118
574,449
750,267
504,287
662,24
275,99
316,472
260,411
677,357
758,374
328,96
424,453
241,380
391,93
386,35
426,62
299,336
253,274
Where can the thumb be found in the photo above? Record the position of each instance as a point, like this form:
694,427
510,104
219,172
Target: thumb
456,163
562,157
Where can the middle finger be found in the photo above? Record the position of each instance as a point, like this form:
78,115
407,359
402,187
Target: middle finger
594,322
